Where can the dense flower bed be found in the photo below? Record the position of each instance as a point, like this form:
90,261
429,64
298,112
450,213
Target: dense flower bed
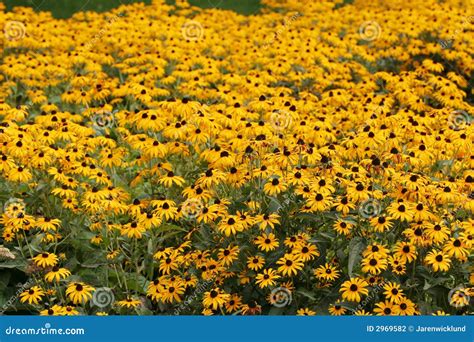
315,158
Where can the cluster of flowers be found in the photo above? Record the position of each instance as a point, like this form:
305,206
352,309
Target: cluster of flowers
332,164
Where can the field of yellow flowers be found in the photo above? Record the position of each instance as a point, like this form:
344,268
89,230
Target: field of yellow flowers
314,158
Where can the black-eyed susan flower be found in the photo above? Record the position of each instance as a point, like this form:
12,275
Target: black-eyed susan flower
455,248
438,261
55,310
57,273
267,278
46,259
306,251
79,292
405,307
267,220
290,264
266,242
129,303
374,265
33,295
255,263
170,178
393,292
274,186
305,312
233,304
405,251
228,255
337,309
460,297
215,298
171,292
385,308
327,272
353,289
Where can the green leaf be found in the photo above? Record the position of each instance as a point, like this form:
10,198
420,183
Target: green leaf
139,285
4,279
306,293
17,263
274,311
356,245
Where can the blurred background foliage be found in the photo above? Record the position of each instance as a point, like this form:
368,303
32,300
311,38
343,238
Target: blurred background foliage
65,8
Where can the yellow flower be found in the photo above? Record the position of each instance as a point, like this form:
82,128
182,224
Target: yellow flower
353,289
266,242
267,278
290,264
56,274
79,293
129,303
438,260
215,298
33,296
46,259
305,312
